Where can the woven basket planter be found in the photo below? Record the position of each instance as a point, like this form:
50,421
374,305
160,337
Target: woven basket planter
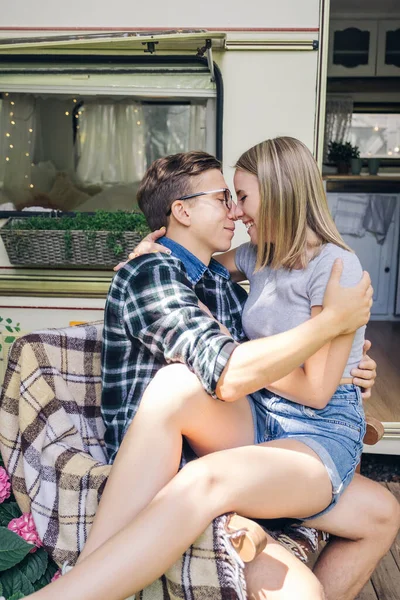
49,248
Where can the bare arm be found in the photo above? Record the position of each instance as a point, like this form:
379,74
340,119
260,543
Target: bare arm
258,363
315,383
227,259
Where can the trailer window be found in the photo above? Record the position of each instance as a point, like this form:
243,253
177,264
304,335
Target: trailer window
83,142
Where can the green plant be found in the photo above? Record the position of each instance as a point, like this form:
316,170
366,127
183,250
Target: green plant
339,152
115,223
24,567
9,327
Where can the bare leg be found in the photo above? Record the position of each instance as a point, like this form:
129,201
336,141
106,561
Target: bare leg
150,453
278,575
283,478
368,516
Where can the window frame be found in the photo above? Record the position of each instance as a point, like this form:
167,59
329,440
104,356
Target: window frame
379,108
88,282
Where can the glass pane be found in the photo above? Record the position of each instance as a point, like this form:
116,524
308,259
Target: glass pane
392,49
351,47
376,134
86,153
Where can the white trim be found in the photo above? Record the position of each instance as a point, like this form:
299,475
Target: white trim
109,91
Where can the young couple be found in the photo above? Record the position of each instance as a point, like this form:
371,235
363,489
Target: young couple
275,439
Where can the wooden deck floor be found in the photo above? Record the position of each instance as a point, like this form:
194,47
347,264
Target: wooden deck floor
385,581
385,401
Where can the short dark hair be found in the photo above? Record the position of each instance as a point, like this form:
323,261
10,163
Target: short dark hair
167,179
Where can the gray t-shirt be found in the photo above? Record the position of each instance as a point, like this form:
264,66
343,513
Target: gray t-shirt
281,299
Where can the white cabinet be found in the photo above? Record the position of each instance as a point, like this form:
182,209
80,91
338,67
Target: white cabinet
364,48
388,54
380,260
352,48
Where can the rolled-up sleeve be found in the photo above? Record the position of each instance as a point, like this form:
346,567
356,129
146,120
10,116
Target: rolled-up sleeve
161,311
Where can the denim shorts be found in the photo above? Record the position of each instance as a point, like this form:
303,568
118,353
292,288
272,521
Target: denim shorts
335,432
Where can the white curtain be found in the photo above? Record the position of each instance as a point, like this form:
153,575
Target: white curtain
172,128
18,134
339,111
111,142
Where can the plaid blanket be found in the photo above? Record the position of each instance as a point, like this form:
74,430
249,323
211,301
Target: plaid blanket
51,440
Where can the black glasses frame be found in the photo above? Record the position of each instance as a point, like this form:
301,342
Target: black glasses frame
227,198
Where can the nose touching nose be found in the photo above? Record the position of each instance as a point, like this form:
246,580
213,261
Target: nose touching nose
235,212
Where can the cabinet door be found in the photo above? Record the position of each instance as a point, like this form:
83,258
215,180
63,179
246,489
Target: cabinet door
388,54
352,48
378,259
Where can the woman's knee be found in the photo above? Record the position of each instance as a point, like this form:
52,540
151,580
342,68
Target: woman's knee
205,481
170,389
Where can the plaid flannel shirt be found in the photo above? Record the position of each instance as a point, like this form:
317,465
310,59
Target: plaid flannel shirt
152,318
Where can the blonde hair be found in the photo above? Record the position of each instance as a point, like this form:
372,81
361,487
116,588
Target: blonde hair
292,199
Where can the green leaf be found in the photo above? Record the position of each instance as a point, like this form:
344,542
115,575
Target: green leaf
12,550
8,511
51,570
14,581
8,320
16,596
9,339
34,565
10,329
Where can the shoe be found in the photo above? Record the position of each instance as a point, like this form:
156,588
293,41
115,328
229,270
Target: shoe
247,537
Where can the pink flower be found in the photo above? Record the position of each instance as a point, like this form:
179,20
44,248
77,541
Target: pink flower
25,527
5,485
56,575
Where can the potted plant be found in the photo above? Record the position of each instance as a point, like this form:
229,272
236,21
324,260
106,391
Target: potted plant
341,154
81,239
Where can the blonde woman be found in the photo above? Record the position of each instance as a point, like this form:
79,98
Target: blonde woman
295,466
293,245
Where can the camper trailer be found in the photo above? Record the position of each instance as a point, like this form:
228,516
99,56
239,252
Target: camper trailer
89,98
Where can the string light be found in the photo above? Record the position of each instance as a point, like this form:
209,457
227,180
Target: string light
11,146
12,122
7,158
6,94
8,134
12,103
30,130
26,153
26,176
397,149
390,153
376,128
11,114
137,122
74,100
31,185
66,113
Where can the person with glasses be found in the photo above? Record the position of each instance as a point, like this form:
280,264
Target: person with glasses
157,315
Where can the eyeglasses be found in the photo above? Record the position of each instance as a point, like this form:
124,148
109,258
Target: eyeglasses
227,198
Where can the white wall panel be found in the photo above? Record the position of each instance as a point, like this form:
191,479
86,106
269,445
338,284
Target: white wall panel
159,13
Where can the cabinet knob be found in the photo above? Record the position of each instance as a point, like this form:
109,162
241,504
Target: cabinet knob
387,269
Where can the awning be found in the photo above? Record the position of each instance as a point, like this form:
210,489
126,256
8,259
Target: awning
121,41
